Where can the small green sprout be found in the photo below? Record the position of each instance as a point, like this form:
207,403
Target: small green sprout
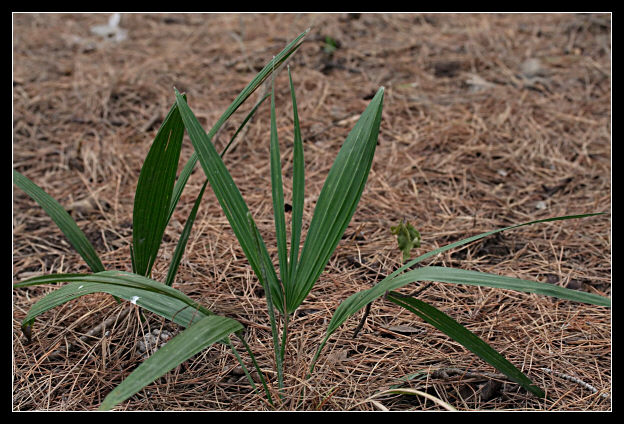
330,45
408,238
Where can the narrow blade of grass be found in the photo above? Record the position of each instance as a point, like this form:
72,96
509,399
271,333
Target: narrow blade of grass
338,199
298,189
154,192
62,219
191,341
229,196
466,338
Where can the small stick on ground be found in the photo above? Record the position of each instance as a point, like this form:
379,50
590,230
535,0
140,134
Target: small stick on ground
575,380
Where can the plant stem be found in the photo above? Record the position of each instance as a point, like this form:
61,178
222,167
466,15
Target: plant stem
260,374
284,336
269,298
240,361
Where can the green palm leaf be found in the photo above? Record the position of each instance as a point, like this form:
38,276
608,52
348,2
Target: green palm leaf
253,85
298,188
62,219
277,191
153,295
466,338
358,300
171,308
337,201
154,192
229,197
184,236
190,164
475,278
146,293
482,235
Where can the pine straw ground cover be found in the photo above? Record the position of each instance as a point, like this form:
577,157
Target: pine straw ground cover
489,120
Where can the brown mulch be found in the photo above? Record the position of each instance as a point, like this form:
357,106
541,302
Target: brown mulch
489,120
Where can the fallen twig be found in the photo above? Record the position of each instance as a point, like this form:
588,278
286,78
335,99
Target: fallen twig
575,380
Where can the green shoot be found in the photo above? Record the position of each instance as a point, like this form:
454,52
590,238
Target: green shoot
408,238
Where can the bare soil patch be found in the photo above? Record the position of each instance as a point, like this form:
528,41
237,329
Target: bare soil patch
488,120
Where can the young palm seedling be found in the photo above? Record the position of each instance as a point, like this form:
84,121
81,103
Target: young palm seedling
157,194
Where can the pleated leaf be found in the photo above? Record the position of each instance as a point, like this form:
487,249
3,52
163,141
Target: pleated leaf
154,192
229,197
253,85
194,339
358,300
298,188
277,192
475,278
337,201
169,307
482,235
466,338
62,219
190,165
152,295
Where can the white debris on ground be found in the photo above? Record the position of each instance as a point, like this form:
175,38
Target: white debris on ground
151,342
111,31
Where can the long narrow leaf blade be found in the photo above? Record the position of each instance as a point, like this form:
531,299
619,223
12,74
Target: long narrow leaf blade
358,300
482,235
62,219
154,192
177,192
277,192
338,199
190,164
113,280
253,85
268,69
184,236
228,195
171,308
298,188
466,338
475,278
191,341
